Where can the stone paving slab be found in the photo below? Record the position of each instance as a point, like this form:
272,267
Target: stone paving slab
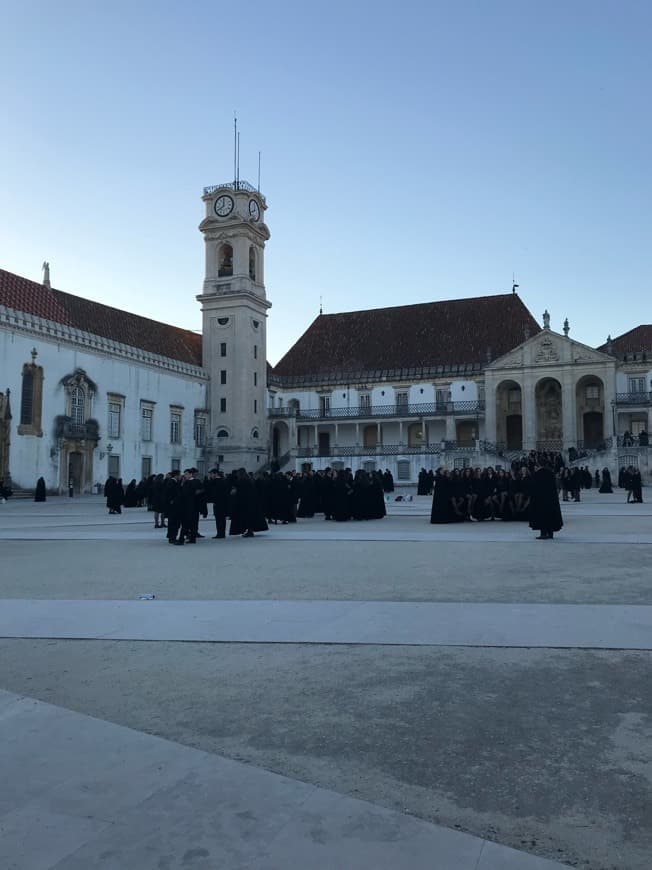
575,626
105,796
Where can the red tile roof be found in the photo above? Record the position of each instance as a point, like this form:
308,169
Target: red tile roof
112,323
636,340
452,333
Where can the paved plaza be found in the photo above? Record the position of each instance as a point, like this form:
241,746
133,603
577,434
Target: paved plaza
380,694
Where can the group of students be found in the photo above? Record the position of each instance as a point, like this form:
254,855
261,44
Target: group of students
251,502
480,494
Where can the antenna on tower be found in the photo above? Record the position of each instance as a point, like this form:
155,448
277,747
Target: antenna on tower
321,307
258,172
237,182
514,284
235,148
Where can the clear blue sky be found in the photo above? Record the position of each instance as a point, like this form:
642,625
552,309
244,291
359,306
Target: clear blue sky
412,152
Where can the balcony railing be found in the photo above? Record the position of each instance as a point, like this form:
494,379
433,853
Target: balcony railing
639,398
356,450
66,428
423,409
642,440
233,185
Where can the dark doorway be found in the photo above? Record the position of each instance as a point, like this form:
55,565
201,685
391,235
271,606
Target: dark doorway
324,444
75,472
275,442
593,430
514,431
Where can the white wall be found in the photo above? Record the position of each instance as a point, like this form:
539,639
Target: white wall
30,456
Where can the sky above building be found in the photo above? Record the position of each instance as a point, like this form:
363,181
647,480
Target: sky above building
411,152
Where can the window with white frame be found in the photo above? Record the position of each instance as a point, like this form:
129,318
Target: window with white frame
146,422
200,430
637,385
402,402
324,405
365,401
78,405
115,412
145,467
175,426
175,463
441,397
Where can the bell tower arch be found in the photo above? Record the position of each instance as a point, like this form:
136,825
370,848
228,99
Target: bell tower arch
234,314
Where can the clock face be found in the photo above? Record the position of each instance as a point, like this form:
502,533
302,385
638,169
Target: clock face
254,209
223,205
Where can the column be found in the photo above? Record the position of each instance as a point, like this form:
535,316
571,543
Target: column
568,410
451,432
489,413
337,431
529,412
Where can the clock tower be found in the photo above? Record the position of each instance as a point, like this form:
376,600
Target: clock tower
234,312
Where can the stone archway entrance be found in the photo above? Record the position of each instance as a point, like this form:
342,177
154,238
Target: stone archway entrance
509,419
550,427
589,400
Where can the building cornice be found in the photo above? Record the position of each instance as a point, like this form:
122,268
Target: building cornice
30,324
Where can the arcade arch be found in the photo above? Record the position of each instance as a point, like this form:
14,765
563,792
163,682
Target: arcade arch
509,415
549,416
589,401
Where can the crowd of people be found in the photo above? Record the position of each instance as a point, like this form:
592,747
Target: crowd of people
253,502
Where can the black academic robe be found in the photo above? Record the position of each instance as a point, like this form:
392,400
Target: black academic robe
441,501
544,512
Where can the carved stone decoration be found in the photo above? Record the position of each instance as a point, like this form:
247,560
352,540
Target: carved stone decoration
546,352
510,360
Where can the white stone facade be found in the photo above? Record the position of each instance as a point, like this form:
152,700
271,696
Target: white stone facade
83,448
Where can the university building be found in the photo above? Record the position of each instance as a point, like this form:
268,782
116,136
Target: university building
88,391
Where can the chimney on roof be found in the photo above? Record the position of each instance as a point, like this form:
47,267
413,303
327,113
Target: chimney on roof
46,275
566,327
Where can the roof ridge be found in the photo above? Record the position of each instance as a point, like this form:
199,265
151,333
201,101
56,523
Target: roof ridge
420,304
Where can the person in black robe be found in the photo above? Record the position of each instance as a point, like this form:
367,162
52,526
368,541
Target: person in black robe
130,499
246,510
422,483
172,501
605,486
597,478
636,484
544,510
342,497
39,494
114,492
388,481
217,494
441,498
643,438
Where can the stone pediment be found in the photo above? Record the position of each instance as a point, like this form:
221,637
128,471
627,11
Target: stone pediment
548,348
